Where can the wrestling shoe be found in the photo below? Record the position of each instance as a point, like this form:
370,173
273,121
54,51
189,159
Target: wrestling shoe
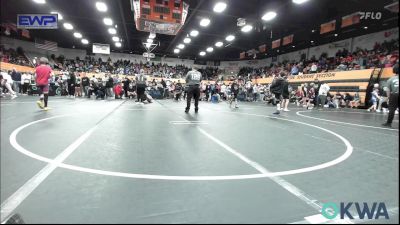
40,104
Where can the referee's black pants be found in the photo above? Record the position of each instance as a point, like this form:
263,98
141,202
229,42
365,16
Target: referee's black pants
193,92
393,104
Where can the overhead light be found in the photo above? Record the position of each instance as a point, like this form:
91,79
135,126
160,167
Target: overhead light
219,44
118,44
210,49
148,45
204,22
115,38
187,40
77,35
269,16
365,28
336,35
108,21
40,1
112,31
293,46
85,41
299,1
152,35
181,46
176,51
230,38
247,28
150,40
312,41
194,33
202,53
220,7
68,26
101,6
60,17
313,31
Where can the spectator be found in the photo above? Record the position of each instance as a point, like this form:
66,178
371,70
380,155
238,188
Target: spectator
78,89
85,85
118,91
347,99
374,99
356,101
322,95
294,70
5,83
16,77
71,85
383,99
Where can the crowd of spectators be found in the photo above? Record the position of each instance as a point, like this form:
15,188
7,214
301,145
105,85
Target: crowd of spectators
13,56
127,67
382,55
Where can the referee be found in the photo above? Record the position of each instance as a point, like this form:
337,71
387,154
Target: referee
393,93
193,79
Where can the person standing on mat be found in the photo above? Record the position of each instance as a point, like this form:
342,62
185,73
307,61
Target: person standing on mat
393,93
285,95
277,89
322,94
43,72
193,79
141,87
234,94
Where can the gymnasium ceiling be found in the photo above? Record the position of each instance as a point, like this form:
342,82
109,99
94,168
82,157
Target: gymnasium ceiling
291,18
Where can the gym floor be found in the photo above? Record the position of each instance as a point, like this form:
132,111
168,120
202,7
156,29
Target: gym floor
115,161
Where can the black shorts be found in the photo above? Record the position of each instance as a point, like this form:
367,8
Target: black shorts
285,95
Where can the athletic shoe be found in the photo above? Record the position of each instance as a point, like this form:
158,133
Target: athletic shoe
286,110
368,110
277,112
196,110
40,104
46,108
387,125
378,111
236,107
186,110
396,112
13,96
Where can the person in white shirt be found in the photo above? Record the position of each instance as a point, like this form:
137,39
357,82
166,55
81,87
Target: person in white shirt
255,93
6,81
25,80
223,91
323,92
314,68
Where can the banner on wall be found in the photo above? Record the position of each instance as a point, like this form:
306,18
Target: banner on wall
276,43
262,48
342,44
328,27
101,48
350,19
287,40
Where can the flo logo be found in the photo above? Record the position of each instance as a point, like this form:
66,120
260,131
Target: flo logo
331,210
370,15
